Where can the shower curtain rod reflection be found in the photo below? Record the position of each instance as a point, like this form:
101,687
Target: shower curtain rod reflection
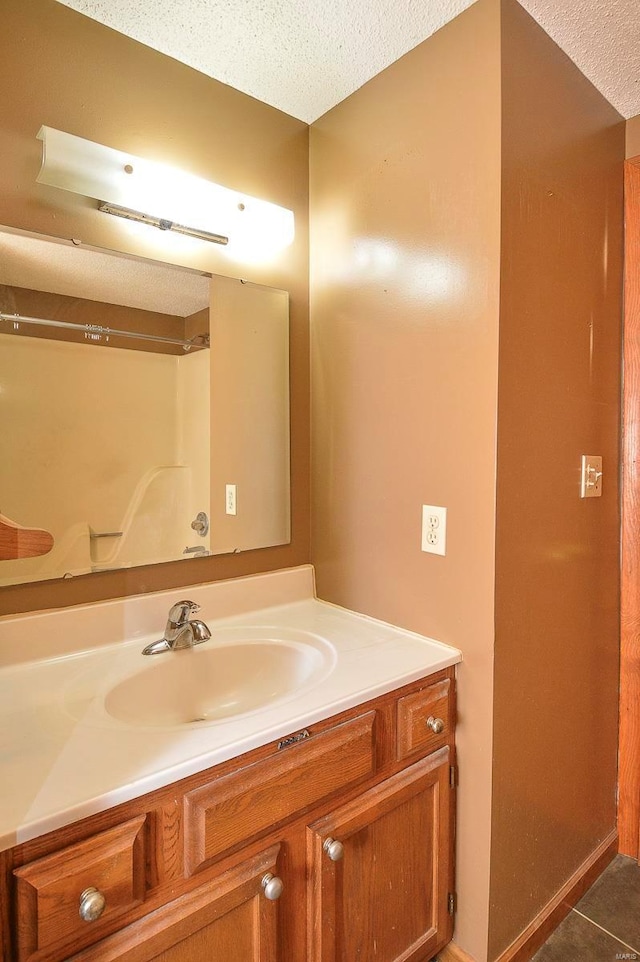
96,332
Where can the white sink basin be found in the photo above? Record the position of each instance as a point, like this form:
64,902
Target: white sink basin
235,673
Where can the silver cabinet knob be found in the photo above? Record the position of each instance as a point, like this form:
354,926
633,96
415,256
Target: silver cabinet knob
92,904
333,848
273,886
435,724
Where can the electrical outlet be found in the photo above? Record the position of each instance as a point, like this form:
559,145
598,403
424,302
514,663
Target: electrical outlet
434,529
230,499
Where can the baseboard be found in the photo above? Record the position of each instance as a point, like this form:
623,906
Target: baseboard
453,953
550,917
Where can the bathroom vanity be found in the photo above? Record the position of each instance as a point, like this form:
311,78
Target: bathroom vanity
318,828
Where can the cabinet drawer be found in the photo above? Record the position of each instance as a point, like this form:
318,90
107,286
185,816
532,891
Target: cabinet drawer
237,807
228,920
419,718
49,891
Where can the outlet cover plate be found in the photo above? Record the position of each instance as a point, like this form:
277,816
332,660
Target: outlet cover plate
434,529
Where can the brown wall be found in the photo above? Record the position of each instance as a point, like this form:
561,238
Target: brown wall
407,391
633,137
64,70
80,311
405,209
406,194
556,652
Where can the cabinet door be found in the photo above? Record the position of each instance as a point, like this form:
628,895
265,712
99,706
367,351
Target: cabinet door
229,918
385,896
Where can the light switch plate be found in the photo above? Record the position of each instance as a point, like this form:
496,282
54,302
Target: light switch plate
230,499
591,476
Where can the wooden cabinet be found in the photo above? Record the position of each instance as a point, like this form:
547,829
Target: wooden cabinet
80,893
231,809
380,871
230,920
425,720
331,845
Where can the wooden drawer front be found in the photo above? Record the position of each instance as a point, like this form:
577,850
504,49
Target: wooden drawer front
414,734
229,919
48,891
236,807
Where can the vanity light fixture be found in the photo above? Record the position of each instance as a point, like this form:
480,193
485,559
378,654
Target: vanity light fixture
161,196
161,223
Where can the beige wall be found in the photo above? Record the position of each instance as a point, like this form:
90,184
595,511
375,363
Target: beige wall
249,414
194,435
413,170
66,71
633,137
77,455
405,208
556,652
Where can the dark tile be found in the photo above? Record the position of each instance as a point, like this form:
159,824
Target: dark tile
578,940
614,900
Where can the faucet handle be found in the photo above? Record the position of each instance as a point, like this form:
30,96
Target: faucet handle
179,613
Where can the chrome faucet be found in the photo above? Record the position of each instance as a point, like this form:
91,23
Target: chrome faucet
181,631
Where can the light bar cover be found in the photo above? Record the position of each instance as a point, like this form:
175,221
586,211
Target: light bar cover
93,170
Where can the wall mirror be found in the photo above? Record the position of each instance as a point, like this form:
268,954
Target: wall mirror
144,411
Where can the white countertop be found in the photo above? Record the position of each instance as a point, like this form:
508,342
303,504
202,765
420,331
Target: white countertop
63,758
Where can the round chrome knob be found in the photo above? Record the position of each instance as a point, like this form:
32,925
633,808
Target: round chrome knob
333,848
273,887
200,524
92,904
435,724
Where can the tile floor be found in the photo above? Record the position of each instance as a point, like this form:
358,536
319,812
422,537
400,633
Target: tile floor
605,924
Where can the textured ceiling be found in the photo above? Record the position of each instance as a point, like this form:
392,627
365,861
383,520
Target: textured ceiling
60,268
603,38
305,56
